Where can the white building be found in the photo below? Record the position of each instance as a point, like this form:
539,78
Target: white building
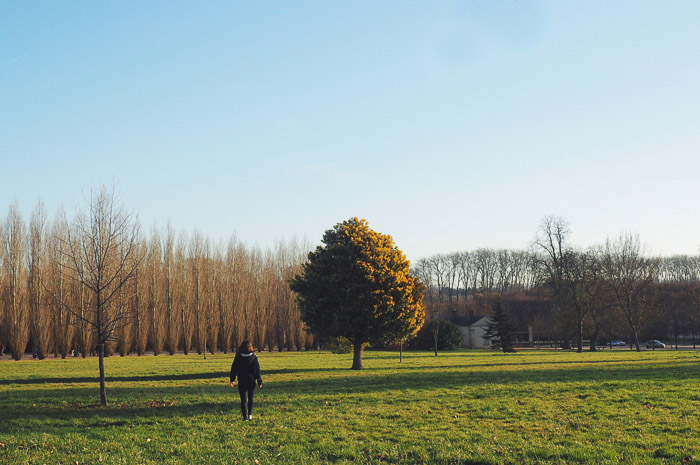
473,329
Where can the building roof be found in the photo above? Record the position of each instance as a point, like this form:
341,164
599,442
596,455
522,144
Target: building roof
466,320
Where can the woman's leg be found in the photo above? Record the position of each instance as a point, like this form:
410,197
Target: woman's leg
244,402
251,395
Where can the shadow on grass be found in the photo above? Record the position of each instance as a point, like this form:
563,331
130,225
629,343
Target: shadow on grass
167,401
90,379
282,371
116,414
165,377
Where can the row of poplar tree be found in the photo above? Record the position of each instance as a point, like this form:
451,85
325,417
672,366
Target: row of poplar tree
96,281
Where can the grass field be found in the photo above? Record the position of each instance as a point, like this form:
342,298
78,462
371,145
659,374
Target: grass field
467,407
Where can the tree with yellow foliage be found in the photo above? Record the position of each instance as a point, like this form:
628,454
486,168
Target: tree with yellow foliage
358,285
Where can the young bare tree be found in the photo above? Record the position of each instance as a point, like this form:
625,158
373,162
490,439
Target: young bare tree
79,307
103,252
15,301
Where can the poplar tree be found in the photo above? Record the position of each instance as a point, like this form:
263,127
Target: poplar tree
14,298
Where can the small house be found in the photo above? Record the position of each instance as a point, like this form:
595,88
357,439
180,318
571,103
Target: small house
473,330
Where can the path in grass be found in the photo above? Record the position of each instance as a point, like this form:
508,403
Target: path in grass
461,407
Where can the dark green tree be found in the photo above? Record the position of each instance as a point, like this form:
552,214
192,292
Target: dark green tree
358,285
500,330
449,336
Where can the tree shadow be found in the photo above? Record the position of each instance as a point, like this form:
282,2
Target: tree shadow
419,378
283,371
108,379
114,415
168,401
164,377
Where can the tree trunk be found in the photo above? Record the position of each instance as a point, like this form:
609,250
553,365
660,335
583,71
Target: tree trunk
675,330
435,336
103,390
594,339
357,356
400,351
579,337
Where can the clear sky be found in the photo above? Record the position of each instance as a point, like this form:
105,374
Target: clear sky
449,125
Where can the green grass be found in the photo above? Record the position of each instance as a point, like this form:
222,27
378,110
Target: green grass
466,407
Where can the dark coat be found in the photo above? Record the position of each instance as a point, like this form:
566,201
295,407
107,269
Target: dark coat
246,368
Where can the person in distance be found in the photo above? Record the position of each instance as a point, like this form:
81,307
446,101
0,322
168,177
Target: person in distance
246,368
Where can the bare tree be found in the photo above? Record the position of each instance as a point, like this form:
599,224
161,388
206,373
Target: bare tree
555,260
256,315
242,296
452,279
210,301
466,272
39,313
155,290
630,277
14,247
125,333
78,304
172,329
181,294
227,288
582,289
486,264
58,283
196,295
423,269
573,277
138,303
593,292
102,287
103,253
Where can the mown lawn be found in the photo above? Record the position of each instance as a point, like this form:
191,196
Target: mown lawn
467,407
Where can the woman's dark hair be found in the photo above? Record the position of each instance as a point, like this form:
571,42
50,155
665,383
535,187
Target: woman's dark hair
246,348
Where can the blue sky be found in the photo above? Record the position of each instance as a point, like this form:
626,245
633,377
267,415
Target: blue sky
449,125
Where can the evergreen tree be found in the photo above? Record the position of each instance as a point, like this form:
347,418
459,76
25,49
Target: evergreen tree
358,285
500,329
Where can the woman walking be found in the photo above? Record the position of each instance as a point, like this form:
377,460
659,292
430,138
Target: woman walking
246,368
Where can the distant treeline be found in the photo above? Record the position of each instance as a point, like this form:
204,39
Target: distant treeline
555,291
185,292
173,292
